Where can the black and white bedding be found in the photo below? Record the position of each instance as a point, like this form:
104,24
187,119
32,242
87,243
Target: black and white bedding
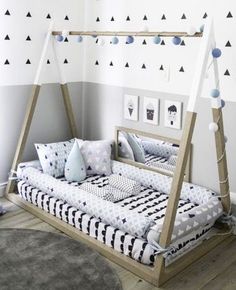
158,162
132,225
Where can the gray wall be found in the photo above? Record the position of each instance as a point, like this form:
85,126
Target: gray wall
49,123
104,111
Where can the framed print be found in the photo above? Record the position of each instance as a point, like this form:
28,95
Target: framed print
150,110
173,114
131,107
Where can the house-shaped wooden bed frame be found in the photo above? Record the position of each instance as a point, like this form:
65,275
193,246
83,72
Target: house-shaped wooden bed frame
158,274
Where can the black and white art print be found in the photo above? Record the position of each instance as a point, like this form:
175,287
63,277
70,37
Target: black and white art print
131,107
173,114
150,110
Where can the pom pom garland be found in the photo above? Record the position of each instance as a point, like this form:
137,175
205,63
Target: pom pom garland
215,93
115,40
176,40
202,28
191,30
80,38
59,38
213,127
156,39
216,52
129,39
101,42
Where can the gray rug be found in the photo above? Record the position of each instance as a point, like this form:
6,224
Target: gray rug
32,260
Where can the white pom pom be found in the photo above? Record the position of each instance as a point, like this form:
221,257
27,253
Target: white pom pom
145,28
213,127
191,30
101,41
65,33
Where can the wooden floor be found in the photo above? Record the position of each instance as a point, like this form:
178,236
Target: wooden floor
215,271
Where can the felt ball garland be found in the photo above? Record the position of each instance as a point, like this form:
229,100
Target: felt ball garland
176,40
59,38
157,39
216,52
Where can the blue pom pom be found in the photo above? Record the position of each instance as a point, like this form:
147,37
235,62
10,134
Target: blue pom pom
94,36
216,52
215,93
176,40
129,39
115,40
80,38
59,38
202,28
157,39
222,103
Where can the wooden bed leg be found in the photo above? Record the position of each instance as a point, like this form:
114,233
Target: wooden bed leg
69,110
222,160
168,225
24,133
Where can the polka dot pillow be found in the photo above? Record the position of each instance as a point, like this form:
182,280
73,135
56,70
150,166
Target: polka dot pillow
53,157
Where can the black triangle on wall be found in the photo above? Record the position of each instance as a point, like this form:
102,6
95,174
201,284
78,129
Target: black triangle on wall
66,40
7,37
28,14
66,18
112,18
28,38
65,61
127,18
48,16
96,63
144,42
127,64
182,43
97,19
205,15
163,42
145,17
181,69
163,17
28,61
6,62
144,66
7,13
48,61
183,16
161,67
228,44
229,15
111,63
227,73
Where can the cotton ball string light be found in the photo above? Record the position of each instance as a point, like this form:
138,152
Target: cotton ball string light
101,42
216,52
202,28
176,40
59,38
213,127
191,30
129,39
115,40
222,103
80,39
215,93
156,39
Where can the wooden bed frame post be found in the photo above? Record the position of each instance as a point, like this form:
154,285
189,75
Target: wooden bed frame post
29,112
190,118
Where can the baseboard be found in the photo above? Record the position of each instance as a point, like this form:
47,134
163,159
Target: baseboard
233,197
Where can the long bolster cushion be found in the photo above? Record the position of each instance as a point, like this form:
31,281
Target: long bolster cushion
110,213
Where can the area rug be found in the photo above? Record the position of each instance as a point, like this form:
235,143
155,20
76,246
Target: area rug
32,260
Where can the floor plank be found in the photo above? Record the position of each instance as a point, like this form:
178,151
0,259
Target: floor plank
216,270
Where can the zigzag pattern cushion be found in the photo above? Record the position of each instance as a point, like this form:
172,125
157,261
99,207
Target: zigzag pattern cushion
100,192
53,156
124,184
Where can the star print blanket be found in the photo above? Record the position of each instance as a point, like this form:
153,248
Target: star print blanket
141,215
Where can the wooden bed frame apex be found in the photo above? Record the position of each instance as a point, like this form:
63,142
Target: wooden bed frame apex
158,274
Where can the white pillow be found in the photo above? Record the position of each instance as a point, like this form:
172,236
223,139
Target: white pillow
53,157
97,157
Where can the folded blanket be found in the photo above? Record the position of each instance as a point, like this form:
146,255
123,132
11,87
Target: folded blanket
131,187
